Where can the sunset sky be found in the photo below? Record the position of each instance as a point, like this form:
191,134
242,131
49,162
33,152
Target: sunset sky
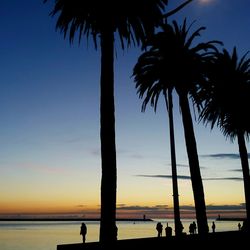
49,122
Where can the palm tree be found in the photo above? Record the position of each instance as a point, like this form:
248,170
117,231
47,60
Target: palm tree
133,21
169,104
226,99
172,63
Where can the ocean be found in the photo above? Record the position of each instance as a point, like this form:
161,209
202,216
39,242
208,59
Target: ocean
46,235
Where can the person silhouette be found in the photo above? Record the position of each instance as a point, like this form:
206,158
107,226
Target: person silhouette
244,226
213,227
83,232
239,226
116,232
194,227
159,228
191,228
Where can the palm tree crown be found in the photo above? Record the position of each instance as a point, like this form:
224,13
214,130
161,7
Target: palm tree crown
133,20
226,95
171,52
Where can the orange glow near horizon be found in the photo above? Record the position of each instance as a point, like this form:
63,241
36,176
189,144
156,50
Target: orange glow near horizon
150,196
17,210
158,201
43,208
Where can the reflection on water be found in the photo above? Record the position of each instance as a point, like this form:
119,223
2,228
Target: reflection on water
47,235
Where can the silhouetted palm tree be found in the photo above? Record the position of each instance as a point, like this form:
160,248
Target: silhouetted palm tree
172,63
133,21
226,102
169,104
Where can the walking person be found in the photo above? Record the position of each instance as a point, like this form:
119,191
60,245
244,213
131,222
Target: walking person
159,228
213,227
83,232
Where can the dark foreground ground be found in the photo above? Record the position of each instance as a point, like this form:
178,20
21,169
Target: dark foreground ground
221,240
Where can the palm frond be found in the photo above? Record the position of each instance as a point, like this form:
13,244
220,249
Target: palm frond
170,62
226,96
172,12
134,21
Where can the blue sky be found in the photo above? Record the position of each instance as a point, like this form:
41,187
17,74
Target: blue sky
49,129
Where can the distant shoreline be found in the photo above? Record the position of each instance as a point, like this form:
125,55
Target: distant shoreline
69,219
98,219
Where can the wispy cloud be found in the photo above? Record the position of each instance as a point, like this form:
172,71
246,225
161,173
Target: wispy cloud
183,177
161,211
223,179
226,207
224,156
236,170
142,208
136,211
209,207
186,177
230,210
183,165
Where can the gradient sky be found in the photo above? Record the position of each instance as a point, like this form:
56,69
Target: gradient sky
49,123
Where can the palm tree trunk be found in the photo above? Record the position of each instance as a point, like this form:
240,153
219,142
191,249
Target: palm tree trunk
177,220
199,199
245,170
108,147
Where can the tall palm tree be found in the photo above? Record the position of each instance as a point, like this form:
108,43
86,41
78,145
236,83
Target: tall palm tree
171,62
169,104
226,100
133,21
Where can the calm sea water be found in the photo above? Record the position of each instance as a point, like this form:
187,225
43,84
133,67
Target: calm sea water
47,235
